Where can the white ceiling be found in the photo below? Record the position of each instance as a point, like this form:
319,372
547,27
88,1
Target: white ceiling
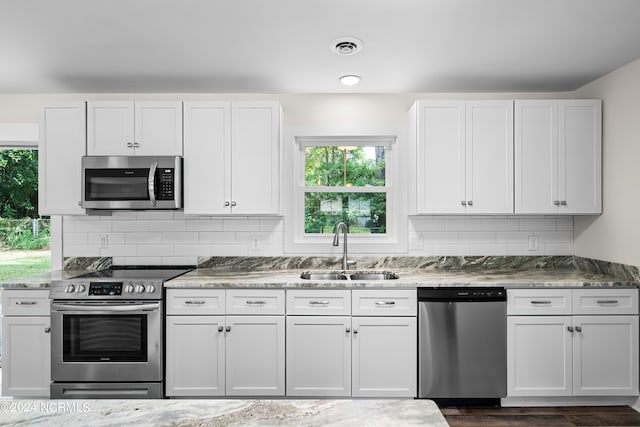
282,46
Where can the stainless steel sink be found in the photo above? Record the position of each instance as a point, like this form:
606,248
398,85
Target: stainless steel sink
385,275
323,276
361,275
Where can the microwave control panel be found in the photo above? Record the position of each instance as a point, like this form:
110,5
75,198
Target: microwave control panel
165,184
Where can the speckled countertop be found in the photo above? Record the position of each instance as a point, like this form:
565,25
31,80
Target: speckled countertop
408,279
221,412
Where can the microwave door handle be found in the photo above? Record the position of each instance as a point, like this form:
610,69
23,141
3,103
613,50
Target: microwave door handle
152,184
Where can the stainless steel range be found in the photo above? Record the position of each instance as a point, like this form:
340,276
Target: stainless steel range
106,334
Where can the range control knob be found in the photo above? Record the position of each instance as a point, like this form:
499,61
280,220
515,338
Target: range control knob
139,288
129,288
70,288
81,288
151,289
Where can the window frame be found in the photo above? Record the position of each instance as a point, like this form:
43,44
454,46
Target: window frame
302,242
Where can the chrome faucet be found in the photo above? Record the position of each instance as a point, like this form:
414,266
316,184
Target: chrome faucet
336,242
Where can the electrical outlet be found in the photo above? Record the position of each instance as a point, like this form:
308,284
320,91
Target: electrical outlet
533,242
255,243
104,241
417,243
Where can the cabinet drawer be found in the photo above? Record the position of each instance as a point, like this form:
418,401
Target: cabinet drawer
384,302
538,301
318,302
195,301
605,301
25,302
255,301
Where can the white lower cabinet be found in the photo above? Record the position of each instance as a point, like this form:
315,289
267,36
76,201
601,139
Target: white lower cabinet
384,356
26,342
594,354
218,354
319,356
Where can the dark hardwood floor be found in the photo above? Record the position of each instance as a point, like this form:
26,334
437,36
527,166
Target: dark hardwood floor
610,416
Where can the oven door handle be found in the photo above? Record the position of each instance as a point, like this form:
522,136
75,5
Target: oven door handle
101,307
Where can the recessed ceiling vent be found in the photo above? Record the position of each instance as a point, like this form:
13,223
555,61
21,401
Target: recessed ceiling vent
347,45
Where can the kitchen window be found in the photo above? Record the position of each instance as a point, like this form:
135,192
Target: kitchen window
344,179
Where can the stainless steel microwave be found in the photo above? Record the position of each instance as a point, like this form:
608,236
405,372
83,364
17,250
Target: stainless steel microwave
132,182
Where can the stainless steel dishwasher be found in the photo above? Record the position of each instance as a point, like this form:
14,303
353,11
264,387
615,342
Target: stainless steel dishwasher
462,352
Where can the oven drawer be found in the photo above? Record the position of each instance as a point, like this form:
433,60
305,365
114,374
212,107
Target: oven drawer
319,302
196,302
255,301
25,302
605,301
384,302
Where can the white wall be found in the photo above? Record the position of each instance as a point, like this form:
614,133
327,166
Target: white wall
172,238
615,235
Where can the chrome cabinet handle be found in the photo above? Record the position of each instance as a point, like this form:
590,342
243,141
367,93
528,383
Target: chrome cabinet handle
256,303
556,203
228,329
318,303
47,330
355,330
233,203
578,328
130,144
541,302
385,304
607,301
227,204
463,203
220,329
563,203
348,329
194,302
136,145
26,302
470,203
570,329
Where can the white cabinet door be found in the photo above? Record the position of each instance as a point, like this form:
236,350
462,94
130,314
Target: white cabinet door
489,157
255,362
384,356
26,370
255,153
195,356
539,356
207,157
60,149
464,157
318,356
558,157
580,153
441,156
605,350
127,128
158,128
110,128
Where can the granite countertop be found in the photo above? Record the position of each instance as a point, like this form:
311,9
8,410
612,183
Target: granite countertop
408,279
221,412
40,281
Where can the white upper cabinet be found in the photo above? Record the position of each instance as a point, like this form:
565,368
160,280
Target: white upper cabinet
232,157
61,146
464,156
558,157
141,128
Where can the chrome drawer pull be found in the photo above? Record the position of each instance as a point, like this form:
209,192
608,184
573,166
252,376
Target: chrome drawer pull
385,303
256,302
541,302
26,303
319,303
192,302
607,301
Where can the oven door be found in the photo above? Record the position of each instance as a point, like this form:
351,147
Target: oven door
106,341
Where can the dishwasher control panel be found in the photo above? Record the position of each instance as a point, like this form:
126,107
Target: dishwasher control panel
445,293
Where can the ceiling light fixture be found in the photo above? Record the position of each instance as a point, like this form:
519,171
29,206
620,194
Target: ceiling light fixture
350,80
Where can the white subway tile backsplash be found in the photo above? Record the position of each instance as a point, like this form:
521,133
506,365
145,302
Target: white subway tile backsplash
172,238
